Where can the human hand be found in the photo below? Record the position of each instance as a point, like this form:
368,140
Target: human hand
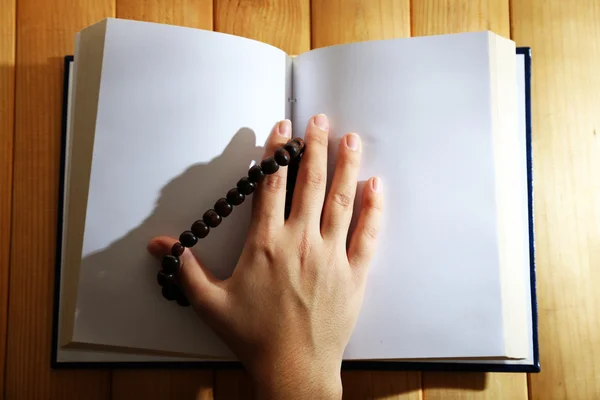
289,308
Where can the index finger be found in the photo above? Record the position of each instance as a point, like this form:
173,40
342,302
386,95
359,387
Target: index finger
269,200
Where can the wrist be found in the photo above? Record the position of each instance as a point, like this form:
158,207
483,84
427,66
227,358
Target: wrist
297,378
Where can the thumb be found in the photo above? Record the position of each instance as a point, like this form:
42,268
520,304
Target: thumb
201,288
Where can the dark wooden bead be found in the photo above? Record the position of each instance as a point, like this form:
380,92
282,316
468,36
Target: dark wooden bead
282,156
183,301
164,278
223,208
188,239
245,186
301,143
269,165
170,264
170,292
211,218
177,249
200,229
293,148
235,197
256,174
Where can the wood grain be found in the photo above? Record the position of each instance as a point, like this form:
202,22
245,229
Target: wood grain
281,23
162,384
346,21
337,22
192,13
388,385
474,386
564,36
434,17
565,41
233,385
165,384
8,9
45,34
430,17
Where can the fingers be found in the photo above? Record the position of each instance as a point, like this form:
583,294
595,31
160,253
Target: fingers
362,243
337,213
269,199
309,191
200,286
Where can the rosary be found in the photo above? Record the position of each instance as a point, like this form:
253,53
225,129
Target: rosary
290,154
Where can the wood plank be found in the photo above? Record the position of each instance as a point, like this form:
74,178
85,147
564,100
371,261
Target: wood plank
474,386
565,41
286,25
338,22
430,17
165,384
162,384
192,13
233,385
45,33
433,17
388,385
8,38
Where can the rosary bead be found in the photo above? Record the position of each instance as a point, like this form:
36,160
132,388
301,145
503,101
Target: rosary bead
269,165
211,218
235,197
182,300
200,229
188,239
170,292
223,208
177,249
246,186
282,156
293,148
301,143
164,278
170,264
256,174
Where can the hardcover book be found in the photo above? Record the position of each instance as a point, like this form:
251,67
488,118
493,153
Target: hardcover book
160,120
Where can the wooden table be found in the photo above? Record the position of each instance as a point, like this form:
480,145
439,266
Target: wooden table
565,38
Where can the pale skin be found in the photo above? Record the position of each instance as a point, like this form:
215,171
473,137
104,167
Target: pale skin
289,308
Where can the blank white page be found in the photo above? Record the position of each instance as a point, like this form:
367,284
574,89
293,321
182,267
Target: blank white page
423,109
182,115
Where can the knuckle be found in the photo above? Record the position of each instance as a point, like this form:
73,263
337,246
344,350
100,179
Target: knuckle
263,244
371,232
318,138
373,203
350,160
342,199
314,179
274,183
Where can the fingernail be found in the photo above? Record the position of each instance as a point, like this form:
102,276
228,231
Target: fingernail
321,122
285,128
376,185
352,141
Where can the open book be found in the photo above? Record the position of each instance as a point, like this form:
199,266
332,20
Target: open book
162,120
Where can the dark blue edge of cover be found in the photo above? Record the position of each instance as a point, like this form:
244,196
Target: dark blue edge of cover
346,365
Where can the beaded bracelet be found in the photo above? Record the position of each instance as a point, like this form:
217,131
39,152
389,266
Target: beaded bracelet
288,155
